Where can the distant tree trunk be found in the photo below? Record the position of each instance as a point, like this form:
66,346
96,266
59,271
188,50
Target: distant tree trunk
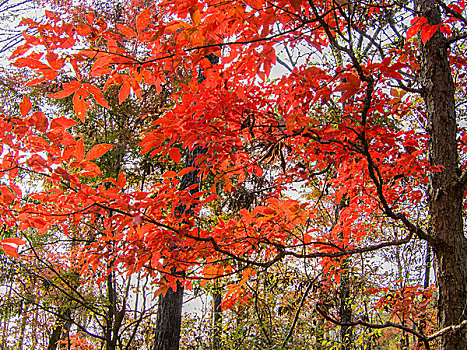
61,323
24,318
426,283
446,193
345,310
34,329
217,319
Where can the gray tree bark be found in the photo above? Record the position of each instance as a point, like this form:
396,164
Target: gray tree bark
169,320
446,193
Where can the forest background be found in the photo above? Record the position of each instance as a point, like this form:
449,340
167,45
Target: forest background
297,165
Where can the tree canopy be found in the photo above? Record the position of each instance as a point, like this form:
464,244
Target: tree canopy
325,144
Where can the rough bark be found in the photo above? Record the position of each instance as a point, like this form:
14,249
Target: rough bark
169,318
169,312
446,193
217,319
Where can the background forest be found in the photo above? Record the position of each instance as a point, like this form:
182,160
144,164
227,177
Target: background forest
233,174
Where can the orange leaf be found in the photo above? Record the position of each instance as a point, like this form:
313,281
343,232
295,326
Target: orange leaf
25,106
98,151
143,19
186,170
62,123
68,89
175,154
136,88
124,92
124,30
17,241
54,61
9,250
80,104
83,30
195,15
90,169
97,94
121,180
79,150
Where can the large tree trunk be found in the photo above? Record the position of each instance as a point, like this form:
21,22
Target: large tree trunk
169,319
446,193
169,313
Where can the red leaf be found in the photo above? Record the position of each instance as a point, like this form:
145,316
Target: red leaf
9,250
80,104
124,30
124,92
83,30
17,241
121,182
175,154
210,198
79,150
413,31
68,89
90,17
296,4
25,106
64,174
97,94
169,174
62,123
417,23
428,31
446,29
40,121
98,151
143,19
